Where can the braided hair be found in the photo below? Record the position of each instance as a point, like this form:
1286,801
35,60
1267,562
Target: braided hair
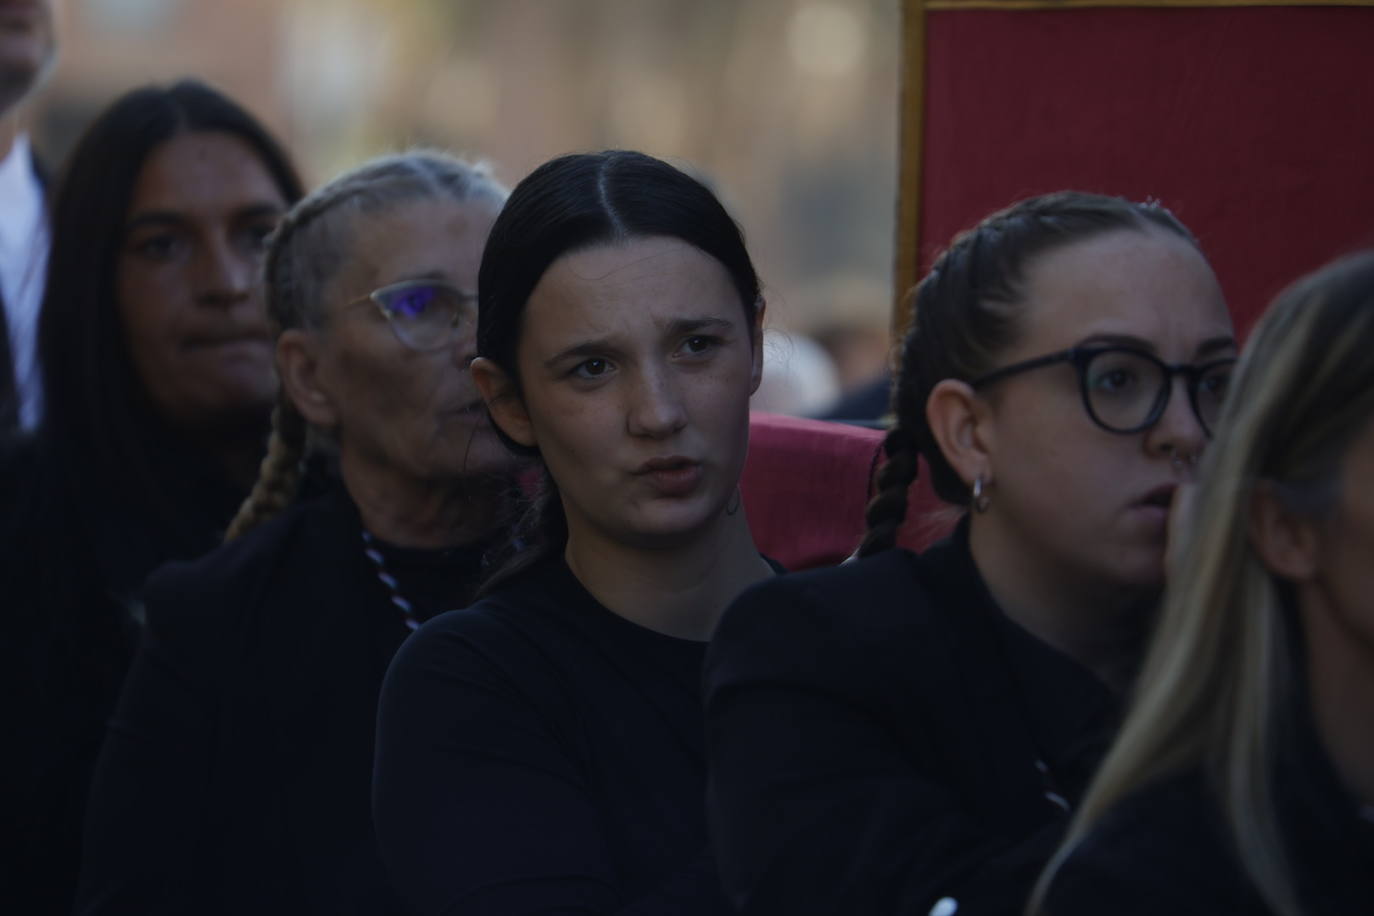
964,313
309,246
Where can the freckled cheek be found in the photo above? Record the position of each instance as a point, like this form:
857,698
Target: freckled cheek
582,430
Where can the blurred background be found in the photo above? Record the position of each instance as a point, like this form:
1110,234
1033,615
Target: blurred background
788,107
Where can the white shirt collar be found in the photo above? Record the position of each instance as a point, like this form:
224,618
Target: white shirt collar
21,217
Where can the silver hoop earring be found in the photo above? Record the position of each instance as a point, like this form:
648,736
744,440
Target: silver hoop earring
981,500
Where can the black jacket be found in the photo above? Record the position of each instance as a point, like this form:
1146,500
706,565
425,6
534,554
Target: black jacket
236,774
880,737
1167,849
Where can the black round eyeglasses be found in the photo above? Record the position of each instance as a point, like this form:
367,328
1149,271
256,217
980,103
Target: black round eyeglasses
1127,390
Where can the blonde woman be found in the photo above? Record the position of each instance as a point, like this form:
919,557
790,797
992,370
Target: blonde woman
1243,779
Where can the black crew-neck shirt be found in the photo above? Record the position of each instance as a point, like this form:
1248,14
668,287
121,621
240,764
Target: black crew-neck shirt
538,753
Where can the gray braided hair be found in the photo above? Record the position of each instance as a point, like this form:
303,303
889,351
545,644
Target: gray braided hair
308,248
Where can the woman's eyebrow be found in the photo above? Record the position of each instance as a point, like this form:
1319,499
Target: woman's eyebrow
1208,347
600,346
163,217
1216,344
681,326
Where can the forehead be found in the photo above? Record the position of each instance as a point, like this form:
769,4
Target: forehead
207,172
422,237
1147,283
641,284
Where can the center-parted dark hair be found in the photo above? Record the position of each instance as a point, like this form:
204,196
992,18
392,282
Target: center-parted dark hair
100,434
93,400
965,313
94,403
95,493
573,203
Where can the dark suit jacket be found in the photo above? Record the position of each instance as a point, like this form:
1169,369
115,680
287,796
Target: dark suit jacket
236,774
880,736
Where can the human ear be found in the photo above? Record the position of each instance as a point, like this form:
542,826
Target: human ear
956,418
298,367
503,403
1287,542
756,374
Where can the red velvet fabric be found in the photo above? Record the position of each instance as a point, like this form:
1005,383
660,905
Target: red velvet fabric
1253,124
806,484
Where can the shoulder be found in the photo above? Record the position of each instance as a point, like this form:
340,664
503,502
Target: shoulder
829,620
862,599
516,621
232,576
1164,849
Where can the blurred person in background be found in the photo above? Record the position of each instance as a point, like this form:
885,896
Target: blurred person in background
28,52
861,354
158,382
237,773
1243,778
799,376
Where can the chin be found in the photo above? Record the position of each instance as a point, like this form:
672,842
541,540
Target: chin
1143,568
661,527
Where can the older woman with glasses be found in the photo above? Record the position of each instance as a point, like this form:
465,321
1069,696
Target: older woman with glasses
237,770
906,734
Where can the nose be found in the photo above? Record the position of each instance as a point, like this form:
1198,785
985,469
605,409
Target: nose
656,409
227,274
1179,433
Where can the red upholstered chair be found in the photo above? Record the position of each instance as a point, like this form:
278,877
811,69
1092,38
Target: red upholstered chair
806,484
1250,120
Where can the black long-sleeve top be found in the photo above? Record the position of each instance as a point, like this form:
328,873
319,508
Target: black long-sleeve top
538,753
883,740
1167,849
236,777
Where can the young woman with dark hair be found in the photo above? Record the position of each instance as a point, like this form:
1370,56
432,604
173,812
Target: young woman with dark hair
541,751
158,385
243,741
905,734
1243,778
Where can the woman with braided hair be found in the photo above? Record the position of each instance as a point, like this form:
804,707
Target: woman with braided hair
237,770
907,734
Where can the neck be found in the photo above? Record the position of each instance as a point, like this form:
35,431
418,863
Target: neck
680,591
413,512
1102,627
1340,665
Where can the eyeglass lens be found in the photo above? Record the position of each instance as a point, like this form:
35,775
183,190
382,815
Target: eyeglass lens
1125,389
423,315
